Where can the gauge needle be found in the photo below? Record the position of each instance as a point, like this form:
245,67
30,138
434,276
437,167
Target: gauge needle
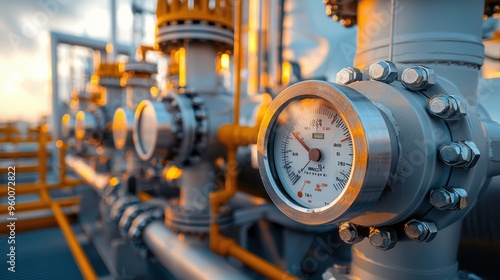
300,171
296,134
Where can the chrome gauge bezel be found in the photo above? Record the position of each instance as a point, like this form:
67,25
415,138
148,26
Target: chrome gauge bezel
372,152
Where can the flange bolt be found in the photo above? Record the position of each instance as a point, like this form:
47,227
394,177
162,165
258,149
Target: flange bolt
383,71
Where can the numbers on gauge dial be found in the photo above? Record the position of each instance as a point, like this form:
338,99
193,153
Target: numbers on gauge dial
312,151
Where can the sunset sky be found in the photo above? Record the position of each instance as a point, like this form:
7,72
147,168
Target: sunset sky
25,26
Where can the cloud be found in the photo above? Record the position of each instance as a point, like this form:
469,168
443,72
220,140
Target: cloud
25,26
23,20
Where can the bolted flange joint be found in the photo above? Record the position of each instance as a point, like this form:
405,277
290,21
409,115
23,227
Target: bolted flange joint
383,71
418,78
383,239
420,231
351,234
447,198
463,154
348,75
448,107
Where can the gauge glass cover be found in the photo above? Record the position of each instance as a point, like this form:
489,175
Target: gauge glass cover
313,152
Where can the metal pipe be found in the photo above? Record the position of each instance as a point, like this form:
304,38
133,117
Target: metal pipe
113,30
450,43
57,38
391,31
95,180
186,257
409,259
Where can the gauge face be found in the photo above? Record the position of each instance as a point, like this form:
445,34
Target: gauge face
313,152
324,152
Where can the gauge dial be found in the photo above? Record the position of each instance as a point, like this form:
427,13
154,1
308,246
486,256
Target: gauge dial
313,152
325,152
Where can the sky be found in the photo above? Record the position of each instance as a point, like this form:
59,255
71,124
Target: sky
25,27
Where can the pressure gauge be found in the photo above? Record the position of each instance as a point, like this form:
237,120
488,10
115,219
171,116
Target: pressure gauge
325,152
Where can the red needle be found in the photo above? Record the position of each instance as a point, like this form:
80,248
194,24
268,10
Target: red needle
296,134
345,139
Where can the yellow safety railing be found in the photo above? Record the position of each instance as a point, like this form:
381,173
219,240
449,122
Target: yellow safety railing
10,134
43,190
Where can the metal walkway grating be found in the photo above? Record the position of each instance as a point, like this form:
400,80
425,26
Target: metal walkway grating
44,254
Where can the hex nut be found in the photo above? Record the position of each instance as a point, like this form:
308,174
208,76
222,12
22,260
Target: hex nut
475,154
418,78
383,71
449,198
383,239
442,199
453,154
463,154
349,233
348,75
462,198
420,231
448,107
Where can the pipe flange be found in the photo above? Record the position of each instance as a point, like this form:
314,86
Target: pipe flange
120,205
136,230
192,120
100,134
172,35
130,214
174,129
191,221
141,67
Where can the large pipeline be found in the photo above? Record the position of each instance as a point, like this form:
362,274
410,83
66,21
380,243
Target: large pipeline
187,258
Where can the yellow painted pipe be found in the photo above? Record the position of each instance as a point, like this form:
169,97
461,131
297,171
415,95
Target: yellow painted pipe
227,247
237,63
245,135
237,135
